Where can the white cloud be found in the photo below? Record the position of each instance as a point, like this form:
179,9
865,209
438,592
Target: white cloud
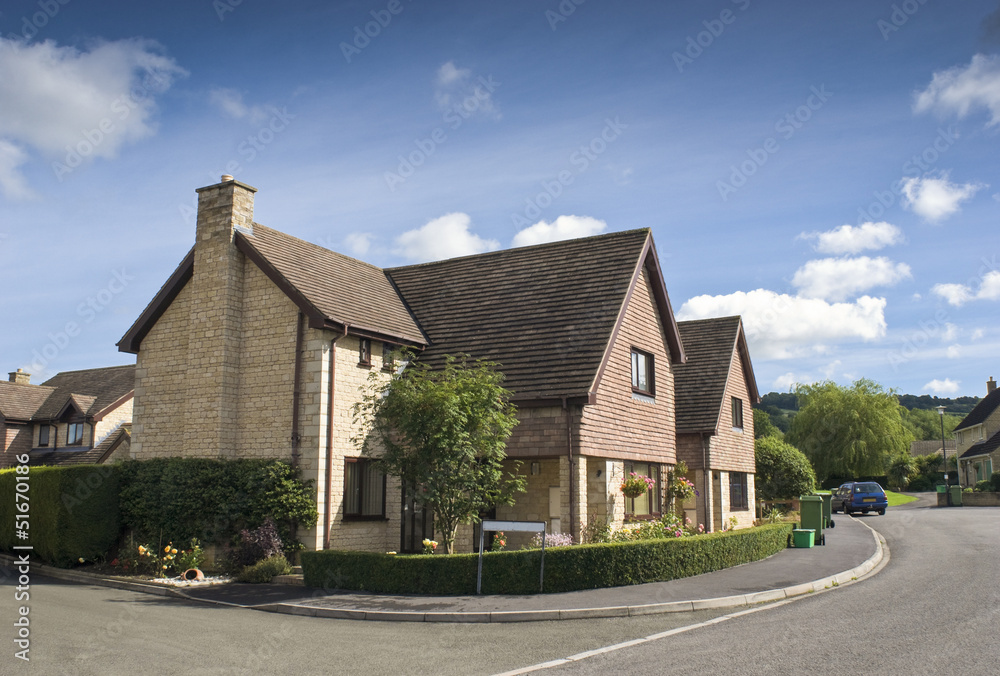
950,332
230,102
449,74
786,382
358,243
934,199
445,237
12,183
837,279
830,369
564,227
978,334
780,326
960,294
92,101
946,386
953,351
849,239
458,95
958,90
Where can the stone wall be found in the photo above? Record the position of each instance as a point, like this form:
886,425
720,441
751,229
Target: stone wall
978,499
112,421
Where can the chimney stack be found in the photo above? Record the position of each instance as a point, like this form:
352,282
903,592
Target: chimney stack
19,377
990,385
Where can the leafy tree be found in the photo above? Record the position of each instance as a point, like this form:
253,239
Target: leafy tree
926,425
783,471
762,425
443,433
849,431
900,471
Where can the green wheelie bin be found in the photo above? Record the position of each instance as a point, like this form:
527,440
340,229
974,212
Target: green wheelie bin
827,510
811,516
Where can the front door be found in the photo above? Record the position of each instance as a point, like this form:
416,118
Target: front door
418,524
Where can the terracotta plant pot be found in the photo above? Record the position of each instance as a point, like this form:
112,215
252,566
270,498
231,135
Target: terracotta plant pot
192,574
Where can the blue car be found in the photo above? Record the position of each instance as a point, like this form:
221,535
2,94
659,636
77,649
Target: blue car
859,496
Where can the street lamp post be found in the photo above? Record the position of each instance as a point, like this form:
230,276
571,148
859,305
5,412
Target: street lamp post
944,454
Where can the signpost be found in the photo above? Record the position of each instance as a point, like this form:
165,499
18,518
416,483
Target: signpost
510,527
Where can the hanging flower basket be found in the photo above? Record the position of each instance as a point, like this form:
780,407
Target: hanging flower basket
636,485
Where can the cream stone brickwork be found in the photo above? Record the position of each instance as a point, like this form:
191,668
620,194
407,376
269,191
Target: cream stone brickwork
112,421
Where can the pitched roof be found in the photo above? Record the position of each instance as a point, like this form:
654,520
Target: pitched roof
337,289
555,305
983,447
91,390
700,383
95,455
982,411
20,402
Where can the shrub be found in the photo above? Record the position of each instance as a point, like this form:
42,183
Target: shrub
596,530
900,471
263,571
255,545
995,480
921,484
566,568
783,471
73,512
984,486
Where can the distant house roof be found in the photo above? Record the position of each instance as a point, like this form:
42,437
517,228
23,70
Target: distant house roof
700,383
918,448
19,402
121,437
983,447
91,392
982,411
547,313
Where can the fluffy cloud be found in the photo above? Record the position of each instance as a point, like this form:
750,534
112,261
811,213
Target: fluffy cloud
230,102
837,279
960,294
946,386
849,239
780,326
445,237
564,227
953,351
12,183
958,90
61,101
457,94
358,243
934,199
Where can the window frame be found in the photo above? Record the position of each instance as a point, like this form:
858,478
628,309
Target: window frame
78,441
652,495
650,371
740,480
47,430
737,412
365,352
388,361
363,465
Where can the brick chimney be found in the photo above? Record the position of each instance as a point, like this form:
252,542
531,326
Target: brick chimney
216,316
990,385
19,377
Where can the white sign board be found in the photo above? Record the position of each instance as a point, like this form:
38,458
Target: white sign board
511,527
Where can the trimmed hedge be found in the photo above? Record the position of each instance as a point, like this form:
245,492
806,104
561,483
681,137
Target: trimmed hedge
73,512
566,568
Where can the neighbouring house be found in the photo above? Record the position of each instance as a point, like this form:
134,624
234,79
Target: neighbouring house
75,417
978,437
715,390
259,344
921,448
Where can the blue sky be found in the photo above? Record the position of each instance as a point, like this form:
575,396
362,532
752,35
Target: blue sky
827,170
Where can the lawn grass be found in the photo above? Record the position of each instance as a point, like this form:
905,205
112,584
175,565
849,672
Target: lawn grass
896,499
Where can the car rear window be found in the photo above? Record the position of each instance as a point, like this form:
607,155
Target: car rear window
867,488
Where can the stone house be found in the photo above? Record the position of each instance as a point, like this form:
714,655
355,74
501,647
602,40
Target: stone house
75,417
259,343
715,390
978,437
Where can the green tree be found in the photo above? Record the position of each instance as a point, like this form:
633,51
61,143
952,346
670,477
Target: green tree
900,471
849,431
762,425
443,432
926,425
783,471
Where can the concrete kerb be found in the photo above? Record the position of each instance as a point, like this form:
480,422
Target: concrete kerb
755,598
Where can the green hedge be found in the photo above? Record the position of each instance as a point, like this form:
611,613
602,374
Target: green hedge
73,512
566,568
176,499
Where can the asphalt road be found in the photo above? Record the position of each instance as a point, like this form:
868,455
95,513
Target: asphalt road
933,609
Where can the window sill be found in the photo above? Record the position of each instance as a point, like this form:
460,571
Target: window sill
644,398
738,429
348,518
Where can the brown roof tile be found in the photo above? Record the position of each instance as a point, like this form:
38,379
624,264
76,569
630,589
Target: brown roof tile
545,313
92,390
20,402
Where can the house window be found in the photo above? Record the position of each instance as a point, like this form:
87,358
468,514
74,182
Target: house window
648,504
388,363
364,490
43,435
642,372
74,434
365,353
737,413
738,494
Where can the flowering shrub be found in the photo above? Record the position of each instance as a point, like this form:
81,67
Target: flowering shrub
429,545
551,540
670,525
192,557
636,485
499,542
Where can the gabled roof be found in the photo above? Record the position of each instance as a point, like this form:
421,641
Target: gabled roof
20,402
547,313
983,447
982,411
332,290
700,383
92,391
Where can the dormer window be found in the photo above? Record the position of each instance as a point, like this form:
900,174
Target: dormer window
643,381
43,435
74,434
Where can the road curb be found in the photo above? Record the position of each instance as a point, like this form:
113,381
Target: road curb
481,617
